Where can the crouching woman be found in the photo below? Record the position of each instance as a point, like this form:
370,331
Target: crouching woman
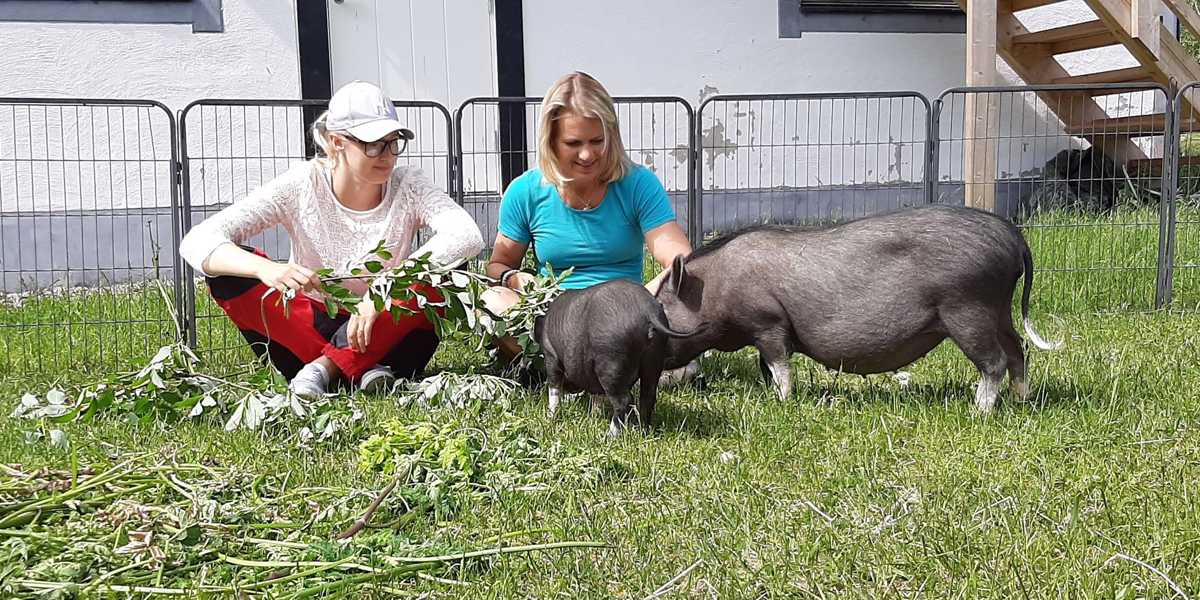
336,208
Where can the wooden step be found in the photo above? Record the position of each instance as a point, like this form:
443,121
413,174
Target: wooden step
1016,5
1064,33
1127,75
1135,126
1087,42
1154,166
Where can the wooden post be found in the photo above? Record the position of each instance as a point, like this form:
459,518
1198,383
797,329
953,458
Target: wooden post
1143,23
981,124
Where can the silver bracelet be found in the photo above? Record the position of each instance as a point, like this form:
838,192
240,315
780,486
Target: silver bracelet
505,275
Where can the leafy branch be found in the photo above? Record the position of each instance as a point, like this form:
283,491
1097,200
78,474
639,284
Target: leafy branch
451,299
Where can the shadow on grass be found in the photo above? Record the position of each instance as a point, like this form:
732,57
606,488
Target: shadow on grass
1048,394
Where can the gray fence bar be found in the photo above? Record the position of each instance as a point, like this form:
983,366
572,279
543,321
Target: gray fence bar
88,206
1182,250
1104,181
808,157
1056,160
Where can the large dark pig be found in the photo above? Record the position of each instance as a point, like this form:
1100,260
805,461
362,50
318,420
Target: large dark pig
865,296
601,340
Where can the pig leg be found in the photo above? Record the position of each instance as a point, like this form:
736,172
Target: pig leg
974,330
774,352
765,369
554,384
622,404
1016,360
648,395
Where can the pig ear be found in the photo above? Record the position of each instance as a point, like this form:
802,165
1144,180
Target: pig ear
678,275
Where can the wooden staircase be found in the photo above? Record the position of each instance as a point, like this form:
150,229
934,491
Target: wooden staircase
1134,24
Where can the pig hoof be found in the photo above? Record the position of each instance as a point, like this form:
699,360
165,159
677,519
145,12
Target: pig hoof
1021,388
985,395
614,430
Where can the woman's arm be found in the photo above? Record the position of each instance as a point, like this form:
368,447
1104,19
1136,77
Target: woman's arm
210,246
665,243
230,259
506,257
456,236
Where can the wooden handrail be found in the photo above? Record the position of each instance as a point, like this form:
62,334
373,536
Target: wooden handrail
1187,15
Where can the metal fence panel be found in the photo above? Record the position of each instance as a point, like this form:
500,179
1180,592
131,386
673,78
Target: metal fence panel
1182,254
231,147
496,139
796,158
88,211
1063,162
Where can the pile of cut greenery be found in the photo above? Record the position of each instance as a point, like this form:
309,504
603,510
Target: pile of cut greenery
149,525
175,385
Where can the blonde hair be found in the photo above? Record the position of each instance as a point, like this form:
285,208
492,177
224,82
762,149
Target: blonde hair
581,94
320,137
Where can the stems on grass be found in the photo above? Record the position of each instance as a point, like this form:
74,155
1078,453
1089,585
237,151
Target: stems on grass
366,518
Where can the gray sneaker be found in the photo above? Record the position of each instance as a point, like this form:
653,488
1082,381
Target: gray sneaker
311,382
377,380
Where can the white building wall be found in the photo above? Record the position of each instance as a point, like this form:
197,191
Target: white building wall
695,50
444,50
116,158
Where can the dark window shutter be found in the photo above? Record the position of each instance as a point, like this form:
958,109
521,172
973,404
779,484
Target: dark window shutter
881,6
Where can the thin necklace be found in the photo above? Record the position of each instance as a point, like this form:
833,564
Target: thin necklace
588,203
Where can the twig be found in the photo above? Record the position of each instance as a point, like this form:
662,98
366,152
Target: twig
1176,588
109,575
666,587
366,518
428,577
490,552
512,534
828,519
298,575
283,564
54,585
11,471
280,543
166,298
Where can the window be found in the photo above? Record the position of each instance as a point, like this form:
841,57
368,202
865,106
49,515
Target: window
203,15
797,17
881,6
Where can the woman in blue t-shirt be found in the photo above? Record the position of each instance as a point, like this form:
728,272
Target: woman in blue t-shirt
587,206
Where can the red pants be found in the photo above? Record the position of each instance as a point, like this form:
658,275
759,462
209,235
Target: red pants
292,341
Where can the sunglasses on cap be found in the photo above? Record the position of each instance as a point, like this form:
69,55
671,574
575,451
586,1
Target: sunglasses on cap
395,145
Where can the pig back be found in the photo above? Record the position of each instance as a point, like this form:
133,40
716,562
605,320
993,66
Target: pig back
886,273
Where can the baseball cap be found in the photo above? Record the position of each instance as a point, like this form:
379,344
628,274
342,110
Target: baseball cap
365,112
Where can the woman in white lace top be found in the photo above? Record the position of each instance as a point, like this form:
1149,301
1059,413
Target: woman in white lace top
335,208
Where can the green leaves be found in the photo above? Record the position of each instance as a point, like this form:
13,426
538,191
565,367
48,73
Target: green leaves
450,298
146,527
445,467
172,387
461,391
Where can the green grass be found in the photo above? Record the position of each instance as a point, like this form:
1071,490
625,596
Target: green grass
1083,264
917,496
853,487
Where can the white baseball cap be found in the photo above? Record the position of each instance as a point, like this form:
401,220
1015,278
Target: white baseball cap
365,112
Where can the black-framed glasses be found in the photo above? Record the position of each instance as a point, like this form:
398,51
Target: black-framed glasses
395,145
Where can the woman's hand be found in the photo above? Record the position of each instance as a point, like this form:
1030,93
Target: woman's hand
358,328
519,281
286,277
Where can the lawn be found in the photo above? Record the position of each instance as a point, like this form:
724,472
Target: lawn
862,487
